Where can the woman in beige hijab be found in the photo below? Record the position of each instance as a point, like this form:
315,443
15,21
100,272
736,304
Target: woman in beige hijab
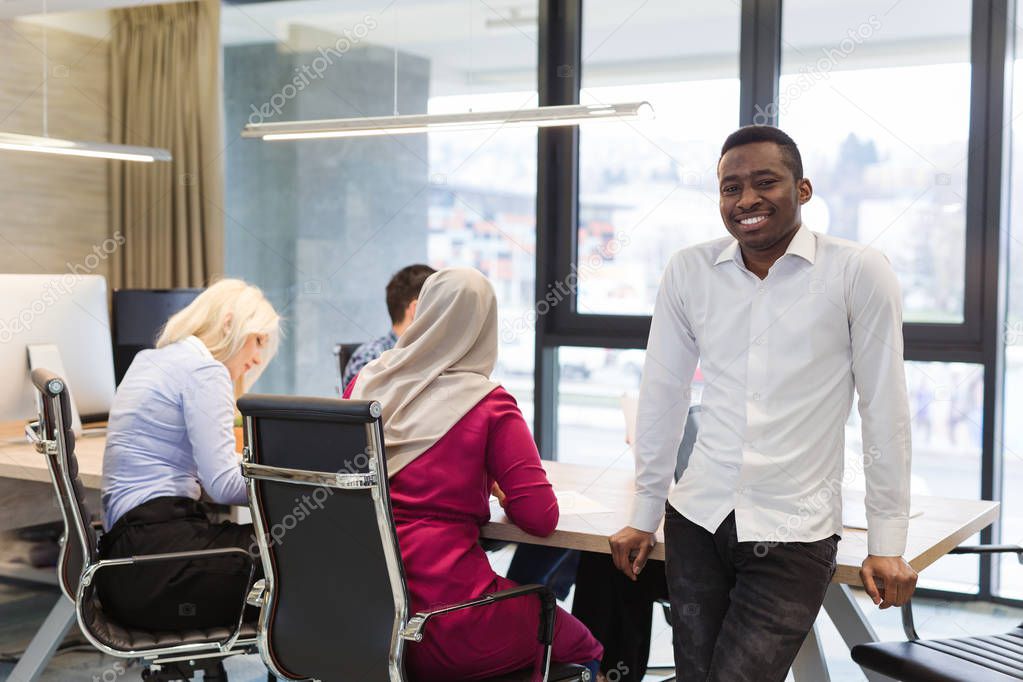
450,434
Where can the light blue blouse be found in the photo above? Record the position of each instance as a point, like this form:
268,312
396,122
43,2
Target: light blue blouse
170,431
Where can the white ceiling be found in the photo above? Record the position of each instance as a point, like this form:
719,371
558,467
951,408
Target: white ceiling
496,40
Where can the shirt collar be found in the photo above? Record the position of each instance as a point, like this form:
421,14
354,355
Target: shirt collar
391,336
803,244
198,346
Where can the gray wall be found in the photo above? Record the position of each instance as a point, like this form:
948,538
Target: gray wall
321,225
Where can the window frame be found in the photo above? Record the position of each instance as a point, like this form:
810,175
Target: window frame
977,339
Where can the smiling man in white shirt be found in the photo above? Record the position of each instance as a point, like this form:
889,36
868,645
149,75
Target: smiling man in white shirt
785,323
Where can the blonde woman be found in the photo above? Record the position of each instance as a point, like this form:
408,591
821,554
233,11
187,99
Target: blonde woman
170,438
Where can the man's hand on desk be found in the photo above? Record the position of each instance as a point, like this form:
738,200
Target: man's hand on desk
629,549
889,580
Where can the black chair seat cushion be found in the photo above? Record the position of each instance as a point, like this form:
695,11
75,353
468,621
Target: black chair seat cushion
129,639
994,658
560,672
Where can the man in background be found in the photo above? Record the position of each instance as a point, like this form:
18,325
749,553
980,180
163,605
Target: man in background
402,297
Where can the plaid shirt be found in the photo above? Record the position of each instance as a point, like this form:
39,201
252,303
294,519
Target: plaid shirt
366,353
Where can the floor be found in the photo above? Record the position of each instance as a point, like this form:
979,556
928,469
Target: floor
23,607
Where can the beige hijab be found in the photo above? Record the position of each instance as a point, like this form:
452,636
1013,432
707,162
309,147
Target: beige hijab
439,369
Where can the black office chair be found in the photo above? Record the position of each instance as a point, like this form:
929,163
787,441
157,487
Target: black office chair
994,658
166,655
343,352
334,604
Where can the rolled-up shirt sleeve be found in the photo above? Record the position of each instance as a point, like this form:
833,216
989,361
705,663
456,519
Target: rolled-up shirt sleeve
875,326
664,397
208,405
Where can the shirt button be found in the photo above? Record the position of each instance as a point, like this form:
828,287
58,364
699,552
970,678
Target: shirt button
761,341
756,396
744,491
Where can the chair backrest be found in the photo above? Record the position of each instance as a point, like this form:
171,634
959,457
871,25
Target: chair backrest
685,448
336,595
78,549
344,352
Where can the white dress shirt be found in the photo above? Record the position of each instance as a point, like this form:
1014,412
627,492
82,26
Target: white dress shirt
780,358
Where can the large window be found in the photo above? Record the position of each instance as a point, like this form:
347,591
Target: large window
895,105
1012,445
322,225
879,102
946,410
648,188
595,389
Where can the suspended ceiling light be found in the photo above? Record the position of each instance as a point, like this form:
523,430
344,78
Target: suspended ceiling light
99,150
565,115
52,145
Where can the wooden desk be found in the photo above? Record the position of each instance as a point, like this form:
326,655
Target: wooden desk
26,497
26,493
943,524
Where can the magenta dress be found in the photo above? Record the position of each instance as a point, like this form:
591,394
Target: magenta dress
440,501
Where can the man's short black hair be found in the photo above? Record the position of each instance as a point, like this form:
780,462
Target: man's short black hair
404,288
761,133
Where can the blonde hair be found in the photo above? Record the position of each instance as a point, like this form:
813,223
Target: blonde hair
223,317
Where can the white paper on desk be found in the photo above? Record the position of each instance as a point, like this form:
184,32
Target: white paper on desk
572,502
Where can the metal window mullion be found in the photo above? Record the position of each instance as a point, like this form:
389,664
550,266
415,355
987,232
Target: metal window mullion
759,61
987,218
559,66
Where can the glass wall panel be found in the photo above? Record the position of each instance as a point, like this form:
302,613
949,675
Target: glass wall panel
322,225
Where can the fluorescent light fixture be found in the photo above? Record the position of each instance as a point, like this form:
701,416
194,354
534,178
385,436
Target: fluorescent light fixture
54,145
98,150
566,115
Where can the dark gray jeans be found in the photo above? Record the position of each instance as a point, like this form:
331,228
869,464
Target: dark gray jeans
740,610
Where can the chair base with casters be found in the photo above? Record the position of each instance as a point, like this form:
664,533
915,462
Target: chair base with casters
166,654
324,615
993,658
212,671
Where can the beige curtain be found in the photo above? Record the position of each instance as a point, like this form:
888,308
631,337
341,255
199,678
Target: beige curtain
165,92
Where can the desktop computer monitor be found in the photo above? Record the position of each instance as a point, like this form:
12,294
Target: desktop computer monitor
66,310
139,316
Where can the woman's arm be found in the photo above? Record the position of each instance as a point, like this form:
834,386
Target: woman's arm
514,463
208,405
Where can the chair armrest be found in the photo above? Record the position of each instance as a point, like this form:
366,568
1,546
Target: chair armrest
989,549
413,630
42,446
90,573
167,556
257,595
909,627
